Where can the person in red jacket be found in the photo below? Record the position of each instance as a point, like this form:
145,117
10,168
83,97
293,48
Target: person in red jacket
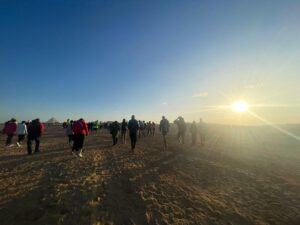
80,130
35,131
9,129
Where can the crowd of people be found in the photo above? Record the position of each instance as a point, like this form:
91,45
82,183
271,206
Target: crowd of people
77,130
33,129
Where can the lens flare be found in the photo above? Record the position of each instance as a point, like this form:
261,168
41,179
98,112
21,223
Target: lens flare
240,106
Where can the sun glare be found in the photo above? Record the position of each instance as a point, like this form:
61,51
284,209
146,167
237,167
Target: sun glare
240,106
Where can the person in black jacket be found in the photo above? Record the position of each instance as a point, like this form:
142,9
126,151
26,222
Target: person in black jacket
114,130
35,131
124,126
133,128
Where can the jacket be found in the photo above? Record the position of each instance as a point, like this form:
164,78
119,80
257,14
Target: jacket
35,129
80,127
9,128
133,126
21,129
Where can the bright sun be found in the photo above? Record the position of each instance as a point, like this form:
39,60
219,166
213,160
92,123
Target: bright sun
240,106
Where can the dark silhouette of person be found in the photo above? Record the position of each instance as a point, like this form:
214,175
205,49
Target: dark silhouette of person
114,131
164,129
35,131
124,126
133,127
181,129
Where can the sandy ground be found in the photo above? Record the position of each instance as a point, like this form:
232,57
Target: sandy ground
242,176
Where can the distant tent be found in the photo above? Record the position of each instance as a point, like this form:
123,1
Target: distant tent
52,121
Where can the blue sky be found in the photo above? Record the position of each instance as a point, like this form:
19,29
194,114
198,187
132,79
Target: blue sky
110,59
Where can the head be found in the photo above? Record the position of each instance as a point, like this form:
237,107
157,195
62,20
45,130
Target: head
133,117
201,120
37,120
23,122
13,120
163,117
124,120
194,122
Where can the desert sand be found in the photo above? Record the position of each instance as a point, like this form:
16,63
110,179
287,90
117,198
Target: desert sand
243,175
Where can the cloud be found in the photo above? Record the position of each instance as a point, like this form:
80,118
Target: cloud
254,86
201,94
164,103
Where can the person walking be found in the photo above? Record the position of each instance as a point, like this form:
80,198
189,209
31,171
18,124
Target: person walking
69,132
181,129
194,132
153,128
124,126
114,130
133,128
80,130
9,130
21,132
164,129
35,131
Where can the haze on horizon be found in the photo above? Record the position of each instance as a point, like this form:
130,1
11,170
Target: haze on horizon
110,59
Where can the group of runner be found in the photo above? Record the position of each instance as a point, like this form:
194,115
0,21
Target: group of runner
77,130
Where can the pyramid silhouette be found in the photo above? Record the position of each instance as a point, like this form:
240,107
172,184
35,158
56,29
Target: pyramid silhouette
52,120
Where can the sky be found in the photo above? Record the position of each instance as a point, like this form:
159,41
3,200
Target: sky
110,59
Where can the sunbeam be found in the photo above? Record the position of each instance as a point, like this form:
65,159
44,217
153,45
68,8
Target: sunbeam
274,126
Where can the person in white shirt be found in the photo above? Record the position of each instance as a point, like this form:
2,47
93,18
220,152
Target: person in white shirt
21,132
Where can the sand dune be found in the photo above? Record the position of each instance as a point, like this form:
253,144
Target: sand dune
244,175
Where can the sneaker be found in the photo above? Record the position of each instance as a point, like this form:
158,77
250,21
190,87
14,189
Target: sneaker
80,154
18,144
11,145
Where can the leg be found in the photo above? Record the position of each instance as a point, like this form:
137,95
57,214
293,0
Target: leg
29,145
165,141
37,144
75,143
9,139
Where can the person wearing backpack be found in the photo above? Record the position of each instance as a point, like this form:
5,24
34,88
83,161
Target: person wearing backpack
164,129
114,131
80,130
35,131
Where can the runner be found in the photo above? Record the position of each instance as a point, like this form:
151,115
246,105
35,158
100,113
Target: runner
80,130
133,127
164,129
